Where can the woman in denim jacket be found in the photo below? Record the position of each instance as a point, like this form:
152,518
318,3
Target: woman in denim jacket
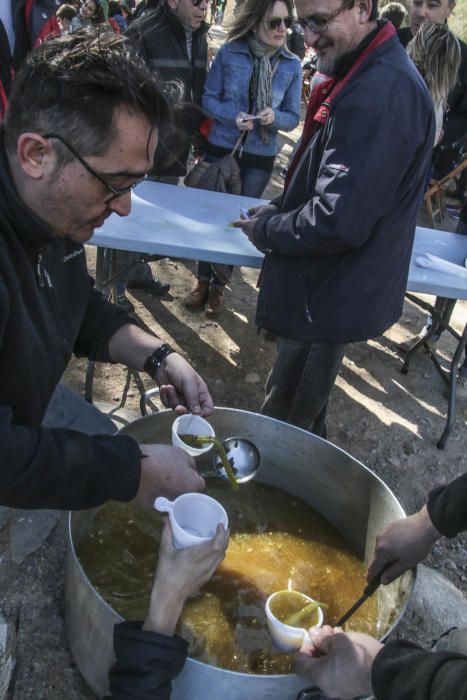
254,88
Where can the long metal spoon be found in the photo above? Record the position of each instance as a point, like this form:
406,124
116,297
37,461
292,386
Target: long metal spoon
370,588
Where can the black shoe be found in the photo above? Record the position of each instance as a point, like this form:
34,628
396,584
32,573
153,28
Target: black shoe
154,287
124,303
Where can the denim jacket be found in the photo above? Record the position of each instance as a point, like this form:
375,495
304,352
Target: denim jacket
226,94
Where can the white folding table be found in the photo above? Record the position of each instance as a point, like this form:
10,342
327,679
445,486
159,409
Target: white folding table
194,224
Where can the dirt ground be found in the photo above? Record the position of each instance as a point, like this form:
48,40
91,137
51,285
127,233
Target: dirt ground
389,421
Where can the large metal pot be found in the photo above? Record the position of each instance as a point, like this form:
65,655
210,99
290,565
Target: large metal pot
335,484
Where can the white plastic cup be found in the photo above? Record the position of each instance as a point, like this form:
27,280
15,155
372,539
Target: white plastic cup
194,518
285,637
190,424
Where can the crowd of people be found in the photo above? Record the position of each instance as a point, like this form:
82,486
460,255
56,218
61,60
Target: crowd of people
86,116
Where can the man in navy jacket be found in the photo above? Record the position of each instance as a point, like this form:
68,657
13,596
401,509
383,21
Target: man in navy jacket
338,242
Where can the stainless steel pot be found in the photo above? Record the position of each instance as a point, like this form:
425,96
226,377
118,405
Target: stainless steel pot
335,484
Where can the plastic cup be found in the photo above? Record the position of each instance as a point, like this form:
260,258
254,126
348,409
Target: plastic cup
189,424
285,637
194,518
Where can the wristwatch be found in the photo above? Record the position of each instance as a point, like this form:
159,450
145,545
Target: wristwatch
154,361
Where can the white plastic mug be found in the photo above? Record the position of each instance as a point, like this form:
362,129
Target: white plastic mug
194,518
190,424
285,637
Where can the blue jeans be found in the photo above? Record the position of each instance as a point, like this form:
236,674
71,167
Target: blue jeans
254,182
300,382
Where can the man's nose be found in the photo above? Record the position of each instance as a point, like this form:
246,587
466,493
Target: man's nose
310,37
121,205
419,11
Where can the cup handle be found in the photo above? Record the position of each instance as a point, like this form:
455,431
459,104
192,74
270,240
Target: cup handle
163,504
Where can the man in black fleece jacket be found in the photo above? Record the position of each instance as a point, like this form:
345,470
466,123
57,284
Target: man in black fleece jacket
79,132
352,665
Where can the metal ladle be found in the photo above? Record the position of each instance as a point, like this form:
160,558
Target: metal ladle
244,457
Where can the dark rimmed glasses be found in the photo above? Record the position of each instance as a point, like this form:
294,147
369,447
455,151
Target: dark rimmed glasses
116,191
196,3
275,22
317,24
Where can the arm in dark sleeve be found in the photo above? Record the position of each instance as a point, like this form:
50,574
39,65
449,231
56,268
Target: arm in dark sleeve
101,320
146,664
447,507
403,671
365,159
64,469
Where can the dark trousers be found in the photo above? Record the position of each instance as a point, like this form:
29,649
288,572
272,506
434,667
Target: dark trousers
300,382
254,182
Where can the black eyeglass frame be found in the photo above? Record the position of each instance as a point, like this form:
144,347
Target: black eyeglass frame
116,191
275,22
196,3
322,25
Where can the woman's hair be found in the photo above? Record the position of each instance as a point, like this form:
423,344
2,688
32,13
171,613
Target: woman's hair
250,15
66,11
437,54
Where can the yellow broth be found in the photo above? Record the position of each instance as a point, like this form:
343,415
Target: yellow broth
285,606
277,542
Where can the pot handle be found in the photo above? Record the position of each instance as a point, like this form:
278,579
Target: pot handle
146,400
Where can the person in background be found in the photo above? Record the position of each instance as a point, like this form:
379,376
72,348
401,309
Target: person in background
65,17
93,13
349,665
171,40
395,12
127,12
253,88
436,53
116,13
23,24
150,655
338,242
455,123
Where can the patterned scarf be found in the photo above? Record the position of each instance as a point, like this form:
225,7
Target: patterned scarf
261,81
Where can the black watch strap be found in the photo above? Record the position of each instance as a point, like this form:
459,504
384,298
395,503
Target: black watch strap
155,360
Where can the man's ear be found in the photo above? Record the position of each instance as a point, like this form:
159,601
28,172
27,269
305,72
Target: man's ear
36,156
173,4
364,10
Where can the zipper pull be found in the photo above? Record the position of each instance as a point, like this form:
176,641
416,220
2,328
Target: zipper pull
39,273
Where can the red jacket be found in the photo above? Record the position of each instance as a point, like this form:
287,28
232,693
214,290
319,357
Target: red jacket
33,20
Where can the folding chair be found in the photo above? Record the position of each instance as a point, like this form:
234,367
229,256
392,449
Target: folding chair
436,188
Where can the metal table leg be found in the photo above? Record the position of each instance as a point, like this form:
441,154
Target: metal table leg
440,314
456,360
88,384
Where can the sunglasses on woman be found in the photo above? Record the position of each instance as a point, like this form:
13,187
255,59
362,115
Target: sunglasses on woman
275,22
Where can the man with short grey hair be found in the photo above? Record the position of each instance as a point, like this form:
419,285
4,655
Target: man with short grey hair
172,41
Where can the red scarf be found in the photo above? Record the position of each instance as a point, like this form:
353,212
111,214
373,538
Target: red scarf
319,105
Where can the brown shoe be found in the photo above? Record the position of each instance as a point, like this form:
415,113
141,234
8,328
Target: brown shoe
215,302
197,298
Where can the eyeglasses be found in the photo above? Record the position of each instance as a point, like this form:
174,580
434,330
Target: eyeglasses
116,191
318,24
275,22
196,3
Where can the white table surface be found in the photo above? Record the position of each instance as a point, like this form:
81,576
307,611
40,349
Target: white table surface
193,224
